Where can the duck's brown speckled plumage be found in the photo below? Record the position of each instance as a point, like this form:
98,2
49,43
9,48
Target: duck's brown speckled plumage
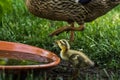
69,10
58,10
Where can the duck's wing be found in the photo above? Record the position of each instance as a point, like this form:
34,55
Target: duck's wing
70,11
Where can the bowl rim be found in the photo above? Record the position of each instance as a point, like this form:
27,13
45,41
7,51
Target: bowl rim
24,48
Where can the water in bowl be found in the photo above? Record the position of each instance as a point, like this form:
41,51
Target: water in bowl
6,61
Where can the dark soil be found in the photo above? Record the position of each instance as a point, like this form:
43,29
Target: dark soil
66,72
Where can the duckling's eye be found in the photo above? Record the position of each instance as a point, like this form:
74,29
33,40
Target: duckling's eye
62,43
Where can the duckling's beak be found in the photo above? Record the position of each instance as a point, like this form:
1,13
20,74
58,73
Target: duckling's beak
55,44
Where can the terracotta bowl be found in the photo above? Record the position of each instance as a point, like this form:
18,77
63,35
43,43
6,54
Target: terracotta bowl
20,51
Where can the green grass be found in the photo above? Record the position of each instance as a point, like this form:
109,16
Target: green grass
100,40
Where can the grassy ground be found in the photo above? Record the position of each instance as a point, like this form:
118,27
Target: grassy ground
100,39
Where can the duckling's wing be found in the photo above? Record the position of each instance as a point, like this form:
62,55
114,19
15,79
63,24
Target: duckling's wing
81,54
76,60
81,58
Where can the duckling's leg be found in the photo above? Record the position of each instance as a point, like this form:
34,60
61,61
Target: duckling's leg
76,74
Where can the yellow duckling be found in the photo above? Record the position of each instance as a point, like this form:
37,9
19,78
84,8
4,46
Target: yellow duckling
76,58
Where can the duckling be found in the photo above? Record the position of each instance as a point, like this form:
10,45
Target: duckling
76,58
71,11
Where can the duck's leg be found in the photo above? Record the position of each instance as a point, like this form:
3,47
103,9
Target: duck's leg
60,30
67,28
72,33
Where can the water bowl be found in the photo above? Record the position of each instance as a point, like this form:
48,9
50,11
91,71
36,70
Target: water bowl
17,56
